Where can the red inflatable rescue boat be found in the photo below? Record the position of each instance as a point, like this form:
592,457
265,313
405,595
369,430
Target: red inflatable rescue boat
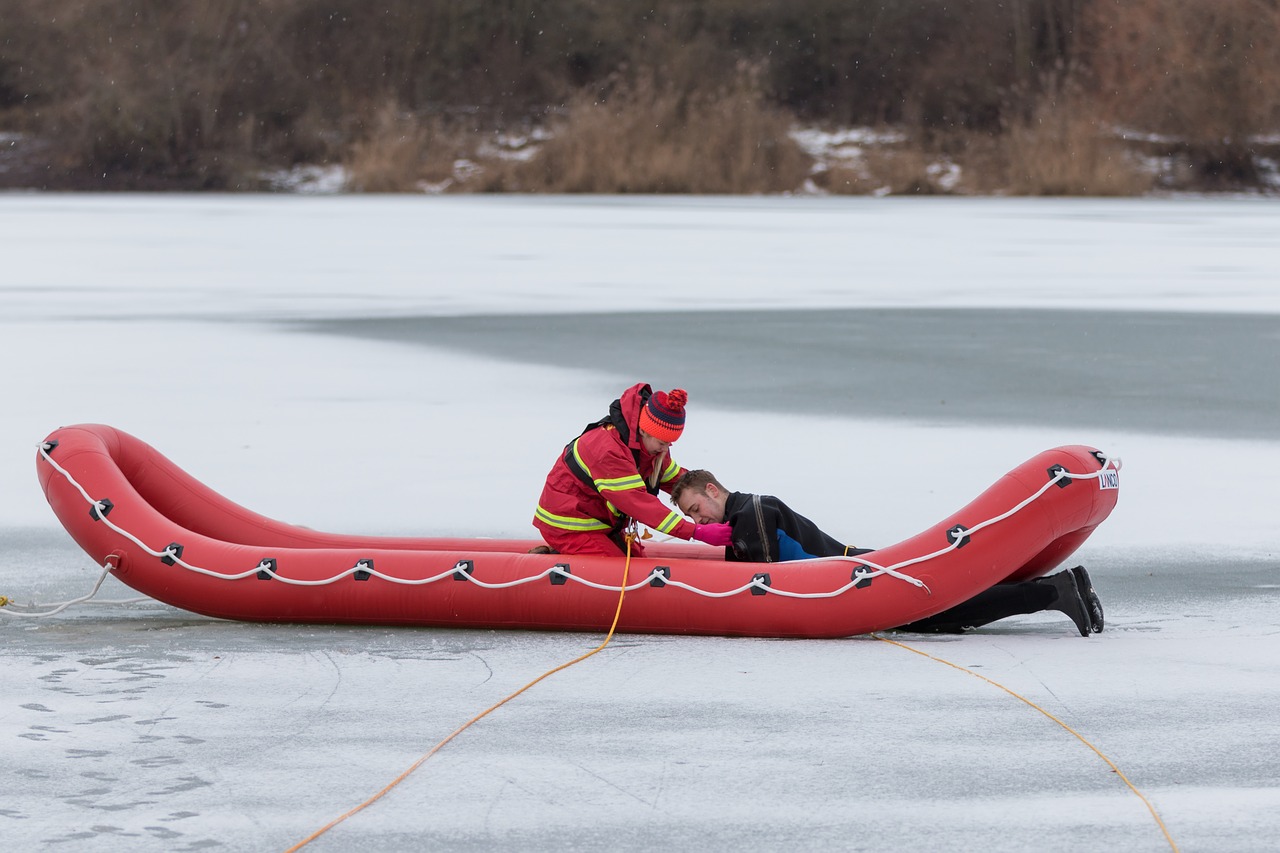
168,536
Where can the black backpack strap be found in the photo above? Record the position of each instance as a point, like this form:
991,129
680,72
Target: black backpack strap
571,461
614,419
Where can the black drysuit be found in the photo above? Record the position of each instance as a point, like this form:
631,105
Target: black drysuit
766,530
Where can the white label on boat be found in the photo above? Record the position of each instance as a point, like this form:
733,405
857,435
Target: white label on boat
1109,479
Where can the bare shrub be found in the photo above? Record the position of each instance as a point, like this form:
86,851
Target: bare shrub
1205,75
188,93
400,152
207,93
901,169
1063,150
847,179
645,137
1058,150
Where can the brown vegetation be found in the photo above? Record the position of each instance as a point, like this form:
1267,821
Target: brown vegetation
1062,149
1021,96
1203,77
401,152
648,137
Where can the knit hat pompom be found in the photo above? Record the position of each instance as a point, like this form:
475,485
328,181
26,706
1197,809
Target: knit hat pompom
663,415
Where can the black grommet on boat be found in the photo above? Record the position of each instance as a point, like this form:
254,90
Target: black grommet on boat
172,553
1054,471
265,568
558,572
362,570
958,536
861,577
761,580
462,571
661,574
1101,457
49,446
106,505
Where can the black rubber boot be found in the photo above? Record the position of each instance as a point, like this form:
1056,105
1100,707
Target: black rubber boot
1091,600
1069,600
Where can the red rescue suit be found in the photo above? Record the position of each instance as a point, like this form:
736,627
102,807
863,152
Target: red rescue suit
602,480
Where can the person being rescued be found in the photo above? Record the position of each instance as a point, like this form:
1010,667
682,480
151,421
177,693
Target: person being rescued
611,474
765,530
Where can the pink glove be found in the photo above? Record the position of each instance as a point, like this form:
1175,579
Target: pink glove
720,535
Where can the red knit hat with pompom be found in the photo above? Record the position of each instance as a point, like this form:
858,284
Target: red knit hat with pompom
663,416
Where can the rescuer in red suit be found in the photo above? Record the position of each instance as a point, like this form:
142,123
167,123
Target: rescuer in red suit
612,473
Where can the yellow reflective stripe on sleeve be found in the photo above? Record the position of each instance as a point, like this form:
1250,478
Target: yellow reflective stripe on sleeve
669,523
670,471
565,522
621,484
578,457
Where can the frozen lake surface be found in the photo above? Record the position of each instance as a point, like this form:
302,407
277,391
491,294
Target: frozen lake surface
1188,374
413,366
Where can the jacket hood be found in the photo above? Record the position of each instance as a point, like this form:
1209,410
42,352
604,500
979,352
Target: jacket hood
626,410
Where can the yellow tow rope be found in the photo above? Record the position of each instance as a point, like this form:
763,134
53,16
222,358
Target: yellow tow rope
613,627
1080,737
626,569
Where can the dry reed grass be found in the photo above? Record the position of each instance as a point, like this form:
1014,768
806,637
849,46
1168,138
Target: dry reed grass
1059,150
1205,76
1063,150
907,168
646,137
188,94
401,152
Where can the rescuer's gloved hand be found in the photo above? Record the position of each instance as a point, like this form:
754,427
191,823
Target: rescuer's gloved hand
720,535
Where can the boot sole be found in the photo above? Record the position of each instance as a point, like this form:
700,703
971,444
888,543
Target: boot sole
1092,604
